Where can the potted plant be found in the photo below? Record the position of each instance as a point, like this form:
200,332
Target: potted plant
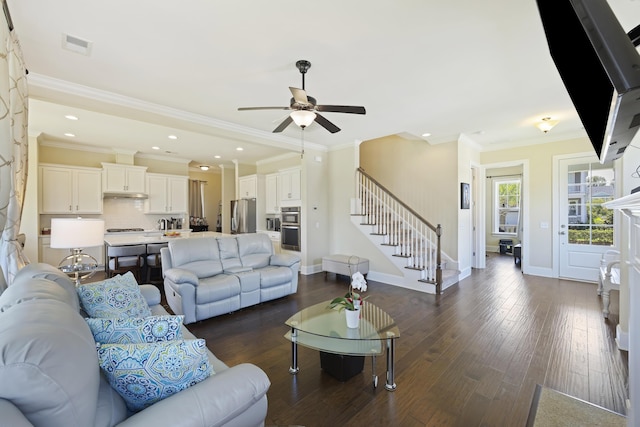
352,300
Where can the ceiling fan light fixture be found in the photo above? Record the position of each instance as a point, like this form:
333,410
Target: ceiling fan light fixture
546,124
303,118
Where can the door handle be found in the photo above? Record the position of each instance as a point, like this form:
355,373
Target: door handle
562,233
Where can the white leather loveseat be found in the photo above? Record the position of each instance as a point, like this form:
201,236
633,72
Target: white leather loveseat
209,276
50,374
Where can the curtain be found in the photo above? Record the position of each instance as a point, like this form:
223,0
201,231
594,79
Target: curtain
196,198
13,151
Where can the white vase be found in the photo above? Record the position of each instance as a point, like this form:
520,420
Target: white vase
353,318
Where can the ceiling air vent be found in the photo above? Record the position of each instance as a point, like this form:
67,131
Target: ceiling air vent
76,44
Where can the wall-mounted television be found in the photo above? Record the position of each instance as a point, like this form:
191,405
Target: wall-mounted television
600,68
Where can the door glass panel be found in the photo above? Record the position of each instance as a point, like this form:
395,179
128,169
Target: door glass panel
589,186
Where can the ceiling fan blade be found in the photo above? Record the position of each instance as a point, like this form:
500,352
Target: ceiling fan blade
326,124
283,125
299,95
341,109
263,108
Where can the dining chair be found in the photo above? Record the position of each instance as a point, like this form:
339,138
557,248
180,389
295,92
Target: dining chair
126,258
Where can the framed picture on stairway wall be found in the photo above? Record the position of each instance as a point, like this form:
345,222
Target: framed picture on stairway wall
465,195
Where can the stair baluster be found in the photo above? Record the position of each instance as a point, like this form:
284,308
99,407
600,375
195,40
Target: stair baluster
413,237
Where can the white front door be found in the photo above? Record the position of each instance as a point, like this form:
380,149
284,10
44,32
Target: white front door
585,226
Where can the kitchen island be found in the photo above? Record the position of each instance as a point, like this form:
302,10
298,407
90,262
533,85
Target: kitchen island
147,238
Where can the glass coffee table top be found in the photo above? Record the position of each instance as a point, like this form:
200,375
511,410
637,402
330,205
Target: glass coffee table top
325,329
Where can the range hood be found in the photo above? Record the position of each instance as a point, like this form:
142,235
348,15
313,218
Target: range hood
115,195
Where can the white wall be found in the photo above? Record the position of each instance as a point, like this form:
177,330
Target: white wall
345,238
29,221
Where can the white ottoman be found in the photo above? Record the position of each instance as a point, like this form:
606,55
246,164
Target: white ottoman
344,264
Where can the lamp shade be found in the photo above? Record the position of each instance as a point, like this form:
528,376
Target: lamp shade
72,233
303,118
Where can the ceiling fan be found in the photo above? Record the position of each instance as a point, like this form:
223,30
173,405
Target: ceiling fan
305,108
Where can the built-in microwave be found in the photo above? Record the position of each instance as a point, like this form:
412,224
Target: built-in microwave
290,215
290,228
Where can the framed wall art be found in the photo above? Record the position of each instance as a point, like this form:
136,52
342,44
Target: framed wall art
465,195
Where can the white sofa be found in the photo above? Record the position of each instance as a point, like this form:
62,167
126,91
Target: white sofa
209,276
50,376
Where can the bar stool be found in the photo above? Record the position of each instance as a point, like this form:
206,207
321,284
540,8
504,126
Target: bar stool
154,260
126,258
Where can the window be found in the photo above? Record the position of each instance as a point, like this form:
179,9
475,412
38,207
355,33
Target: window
590,185
506,206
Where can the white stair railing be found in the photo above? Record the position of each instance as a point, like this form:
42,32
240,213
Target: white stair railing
413,237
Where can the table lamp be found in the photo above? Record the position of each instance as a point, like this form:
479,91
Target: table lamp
75,234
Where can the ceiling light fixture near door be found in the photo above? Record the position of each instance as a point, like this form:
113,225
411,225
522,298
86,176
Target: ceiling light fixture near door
76,44
204,167
546,124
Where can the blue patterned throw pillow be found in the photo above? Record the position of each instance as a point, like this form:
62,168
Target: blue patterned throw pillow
135,330
118,296
146,373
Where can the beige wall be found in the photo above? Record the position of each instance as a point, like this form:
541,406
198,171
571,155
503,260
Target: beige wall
540,185
228,178
282,162
423,176
345,237
69,157
29,222
468,158
159,166
212,193
314,212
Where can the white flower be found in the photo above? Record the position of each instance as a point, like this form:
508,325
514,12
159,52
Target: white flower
358,282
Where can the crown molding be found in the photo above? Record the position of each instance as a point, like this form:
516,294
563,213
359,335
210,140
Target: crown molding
86,92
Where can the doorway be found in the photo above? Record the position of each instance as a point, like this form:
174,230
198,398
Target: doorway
585,228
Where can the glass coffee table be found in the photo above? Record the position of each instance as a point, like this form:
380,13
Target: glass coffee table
324,329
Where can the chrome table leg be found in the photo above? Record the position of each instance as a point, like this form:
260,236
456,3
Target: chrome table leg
293,369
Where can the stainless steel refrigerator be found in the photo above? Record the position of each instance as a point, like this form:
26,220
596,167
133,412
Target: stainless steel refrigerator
243,216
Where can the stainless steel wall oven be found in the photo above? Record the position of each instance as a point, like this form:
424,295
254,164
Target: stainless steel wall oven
290,228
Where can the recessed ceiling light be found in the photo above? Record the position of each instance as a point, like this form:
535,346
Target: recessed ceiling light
69,134
239,149
71,117
172,137
217,157
155,148
426,134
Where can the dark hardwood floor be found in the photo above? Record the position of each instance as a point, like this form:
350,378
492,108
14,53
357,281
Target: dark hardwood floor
470,357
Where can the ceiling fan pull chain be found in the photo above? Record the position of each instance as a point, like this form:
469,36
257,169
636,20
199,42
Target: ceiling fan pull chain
302,138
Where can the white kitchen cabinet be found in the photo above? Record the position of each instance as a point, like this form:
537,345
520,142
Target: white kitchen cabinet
64,189
248,187
290,185
272,200
53,256
123,178
167,194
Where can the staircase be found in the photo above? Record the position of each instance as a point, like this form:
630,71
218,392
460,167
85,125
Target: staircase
407,239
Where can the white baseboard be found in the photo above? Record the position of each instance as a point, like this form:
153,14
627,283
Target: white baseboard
310,269
622,338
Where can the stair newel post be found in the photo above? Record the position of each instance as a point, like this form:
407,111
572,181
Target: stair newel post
439,261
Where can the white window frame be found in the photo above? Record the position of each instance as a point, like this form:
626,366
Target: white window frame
497,209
